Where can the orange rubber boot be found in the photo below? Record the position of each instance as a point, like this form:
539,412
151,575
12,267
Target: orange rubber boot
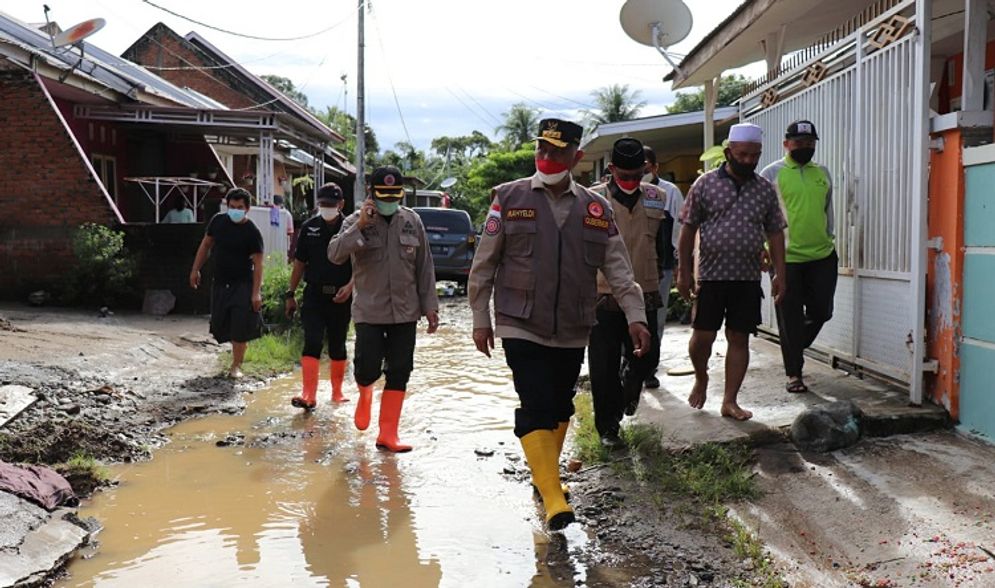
337,371
390,414
362,418
309,378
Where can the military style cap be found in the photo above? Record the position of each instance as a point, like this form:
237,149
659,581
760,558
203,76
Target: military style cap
559,133
388,183
330,192
628,153
801,128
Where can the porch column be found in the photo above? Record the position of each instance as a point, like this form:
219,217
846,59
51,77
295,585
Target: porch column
920,184
319,173
264,169
711,94
975,33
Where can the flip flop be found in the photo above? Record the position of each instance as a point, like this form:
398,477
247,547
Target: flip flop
681,371
796,387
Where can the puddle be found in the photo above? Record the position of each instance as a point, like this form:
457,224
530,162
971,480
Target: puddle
309,501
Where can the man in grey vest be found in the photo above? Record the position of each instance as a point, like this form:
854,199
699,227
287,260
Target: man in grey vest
617,375
544,240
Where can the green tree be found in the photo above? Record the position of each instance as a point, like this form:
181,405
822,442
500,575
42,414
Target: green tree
461,150
344,124
521,125
615,103
287,87
730,90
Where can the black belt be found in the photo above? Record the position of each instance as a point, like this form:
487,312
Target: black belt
324,289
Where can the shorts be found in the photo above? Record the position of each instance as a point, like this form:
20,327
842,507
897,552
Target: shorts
736,302
232,317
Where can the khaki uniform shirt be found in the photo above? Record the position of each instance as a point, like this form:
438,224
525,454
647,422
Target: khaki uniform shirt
392,268
638,227
616,268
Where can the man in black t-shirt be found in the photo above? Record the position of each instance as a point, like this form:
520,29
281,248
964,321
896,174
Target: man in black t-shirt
327,297
238,275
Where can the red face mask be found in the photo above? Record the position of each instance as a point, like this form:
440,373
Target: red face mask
550,167
628,186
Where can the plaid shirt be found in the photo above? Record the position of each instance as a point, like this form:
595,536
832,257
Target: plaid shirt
732,223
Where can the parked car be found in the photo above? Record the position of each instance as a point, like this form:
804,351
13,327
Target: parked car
452,239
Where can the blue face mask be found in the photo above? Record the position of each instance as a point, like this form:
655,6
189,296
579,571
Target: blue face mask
387,208
236,215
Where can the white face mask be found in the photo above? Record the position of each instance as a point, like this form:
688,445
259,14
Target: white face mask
553,179
328,213
648,178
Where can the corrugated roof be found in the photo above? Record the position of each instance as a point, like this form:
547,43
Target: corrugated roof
105,68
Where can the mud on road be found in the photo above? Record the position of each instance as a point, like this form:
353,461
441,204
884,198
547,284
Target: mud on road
106,387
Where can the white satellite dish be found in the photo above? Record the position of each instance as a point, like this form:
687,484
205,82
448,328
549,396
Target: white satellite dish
657,23
77,33
448,183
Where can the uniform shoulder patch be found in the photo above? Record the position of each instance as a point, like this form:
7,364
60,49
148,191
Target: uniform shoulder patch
595,209
493,225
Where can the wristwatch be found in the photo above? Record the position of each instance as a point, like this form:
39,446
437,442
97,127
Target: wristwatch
289,294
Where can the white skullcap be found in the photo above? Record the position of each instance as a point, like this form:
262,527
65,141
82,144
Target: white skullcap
746,133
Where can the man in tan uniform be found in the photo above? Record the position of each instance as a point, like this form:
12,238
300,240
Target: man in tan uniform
544,240
394,287
617,375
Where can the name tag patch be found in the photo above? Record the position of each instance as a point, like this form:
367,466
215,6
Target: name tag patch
513,214
596,223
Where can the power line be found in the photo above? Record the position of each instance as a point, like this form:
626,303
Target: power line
584,104
467,106
244,35
383,52
479,105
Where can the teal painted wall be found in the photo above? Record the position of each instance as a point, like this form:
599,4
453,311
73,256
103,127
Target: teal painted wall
977,349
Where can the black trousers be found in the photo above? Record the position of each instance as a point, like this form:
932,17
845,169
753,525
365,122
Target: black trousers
805,307
545,380
324,319
385,349
617,375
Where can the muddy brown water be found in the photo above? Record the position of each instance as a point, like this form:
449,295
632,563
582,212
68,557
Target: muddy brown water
309,501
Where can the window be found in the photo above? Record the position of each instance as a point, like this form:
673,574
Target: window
106,168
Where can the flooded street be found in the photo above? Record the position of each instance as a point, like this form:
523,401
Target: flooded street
278,498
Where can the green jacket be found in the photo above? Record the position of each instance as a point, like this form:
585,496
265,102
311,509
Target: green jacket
806,195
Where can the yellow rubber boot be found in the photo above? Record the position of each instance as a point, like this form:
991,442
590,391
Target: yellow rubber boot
561,434
391,402
362,417
337,374
541,453
309,379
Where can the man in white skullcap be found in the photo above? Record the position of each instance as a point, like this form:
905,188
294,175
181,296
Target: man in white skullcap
731,211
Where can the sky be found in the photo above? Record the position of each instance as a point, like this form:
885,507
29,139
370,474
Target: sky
433,67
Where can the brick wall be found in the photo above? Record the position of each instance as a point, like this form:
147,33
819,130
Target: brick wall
169,50
46,189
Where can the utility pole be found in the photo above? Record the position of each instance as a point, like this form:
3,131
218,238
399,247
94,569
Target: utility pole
360,191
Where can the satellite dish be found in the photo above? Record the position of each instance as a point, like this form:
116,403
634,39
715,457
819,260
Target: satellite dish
448,183
77,33
656,22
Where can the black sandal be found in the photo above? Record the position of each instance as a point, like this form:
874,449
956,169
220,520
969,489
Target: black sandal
796,387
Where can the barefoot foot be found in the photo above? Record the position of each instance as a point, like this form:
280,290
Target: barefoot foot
733,411
698,392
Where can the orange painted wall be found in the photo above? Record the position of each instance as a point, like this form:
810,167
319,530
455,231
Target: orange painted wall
945,273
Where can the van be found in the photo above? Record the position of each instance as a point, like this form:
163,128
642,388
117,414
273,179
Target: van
452,240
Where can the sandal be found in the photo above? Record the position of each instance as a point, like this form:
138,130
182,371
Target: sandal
796,387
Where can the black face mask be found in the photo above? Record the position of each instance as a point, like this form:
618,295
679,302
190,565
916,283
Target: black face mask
803,155
740,169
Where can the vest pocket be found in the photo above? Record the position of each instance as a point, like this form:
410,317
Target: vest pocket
409,247
595,245
515,293
519,238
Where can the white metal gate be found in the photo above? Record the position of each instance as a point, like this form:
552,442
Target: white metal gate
864,92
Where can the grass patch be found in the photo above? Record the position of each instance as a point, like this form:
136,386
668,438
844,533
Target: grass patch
747,546
84,473
269,355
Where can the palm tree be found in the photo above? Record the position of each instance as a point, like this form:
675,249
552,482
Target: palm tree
615,103
521,123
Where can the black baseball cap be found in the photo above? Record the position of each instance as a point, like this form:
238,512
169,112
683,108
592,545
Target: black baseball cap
387,182
801,128
559,133
627,153
330,192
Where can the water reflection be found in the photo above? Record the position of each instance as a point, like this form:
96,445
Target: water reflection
309,501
